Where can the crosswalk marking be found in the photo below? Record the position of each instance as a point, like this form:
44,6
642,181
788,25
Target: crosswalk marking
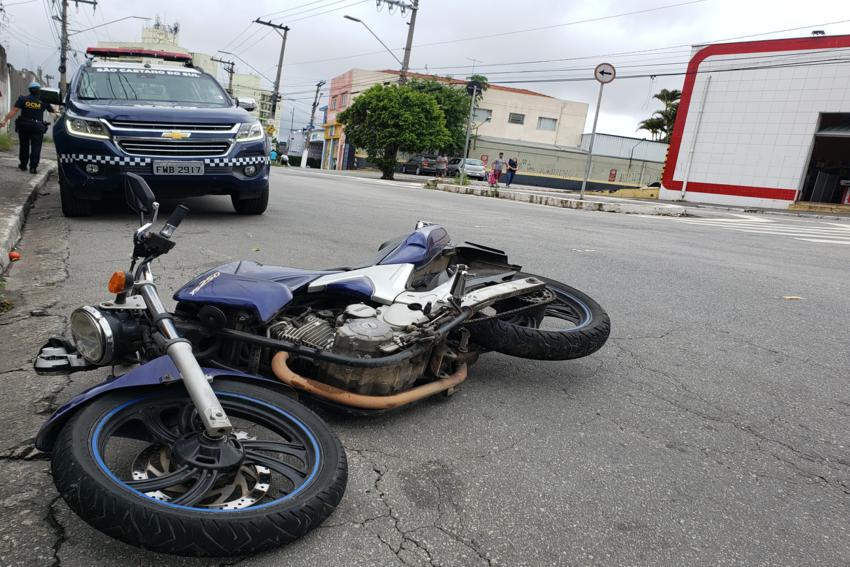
806,231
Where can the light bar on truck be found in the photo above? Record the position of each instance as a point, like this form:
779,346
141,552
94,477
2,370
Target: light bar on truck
135,52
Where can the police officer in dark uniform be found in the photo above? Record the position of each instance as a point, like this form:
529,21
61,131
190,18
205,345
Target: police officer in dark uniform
30,125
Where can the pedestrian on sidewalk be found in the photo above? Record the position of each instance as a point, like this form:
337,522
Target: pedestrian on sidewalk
496,170
512,167
30,125
442,164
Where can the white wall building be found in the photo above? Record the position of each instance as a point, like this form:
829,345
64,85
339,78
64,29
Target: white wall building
763,124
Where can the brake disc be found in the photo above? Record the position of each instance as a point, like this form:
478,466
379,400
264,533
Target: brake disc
245,487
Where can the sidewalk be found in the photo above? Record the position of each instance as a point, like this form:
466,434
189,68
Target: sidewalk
18,190
691,209
566,200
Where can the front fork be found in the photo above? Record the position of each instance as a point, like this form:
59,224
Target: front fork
215,421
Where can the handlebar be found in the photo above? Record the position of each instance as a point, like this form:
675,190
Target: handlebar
174,221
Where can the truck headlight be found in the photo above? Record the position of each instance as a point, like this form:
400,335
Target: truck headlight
250,132
85,127
93,335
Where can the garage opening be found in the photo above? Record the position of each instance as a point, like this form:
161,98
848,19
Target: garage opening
828,175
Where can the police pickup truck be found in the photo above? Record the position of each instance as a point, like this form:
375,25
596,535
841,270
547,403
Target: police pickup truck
172,124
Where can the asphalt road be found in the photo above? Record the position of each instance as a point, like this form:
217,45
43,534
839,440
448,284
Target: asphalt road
712,429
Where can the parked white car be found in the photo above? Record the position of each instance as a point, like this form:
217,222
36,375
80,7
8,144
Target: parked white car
474,168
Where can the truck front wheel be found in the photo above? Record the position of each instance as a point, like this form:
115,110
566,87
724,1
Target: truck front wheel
73,206
255,206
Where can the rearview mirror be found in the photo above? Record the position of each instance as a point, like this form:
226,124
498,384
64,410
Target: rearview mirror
247,103
51,95
138,194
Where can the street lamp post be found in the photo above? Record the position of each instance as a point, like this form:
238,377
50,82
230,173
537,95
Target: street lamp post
468,128
390,51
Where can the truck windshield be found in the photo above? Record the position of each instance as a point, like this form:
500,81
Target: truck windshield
151,85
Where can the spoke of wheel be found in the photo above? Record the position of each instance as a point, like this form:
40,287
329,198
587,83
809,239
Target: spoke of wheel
152,420
293,474
205,482
296,450
177,476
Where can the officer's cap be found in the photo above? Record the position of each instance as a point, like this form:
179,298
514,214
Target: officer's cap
34,85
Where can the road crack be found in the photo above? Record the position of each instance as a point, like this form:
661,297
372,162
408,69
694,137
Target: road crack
52,520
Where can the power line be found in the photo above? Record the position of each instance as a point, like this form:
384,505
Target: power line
293,14
687,73
573,23
650,50
292,8
239,46
514,32
328,11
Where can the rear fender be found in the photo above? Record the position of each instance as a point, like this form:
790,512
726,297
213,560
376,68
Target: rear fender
158,372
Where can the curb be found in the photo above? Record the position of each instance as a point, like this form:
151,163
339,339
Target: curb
565,203
10,233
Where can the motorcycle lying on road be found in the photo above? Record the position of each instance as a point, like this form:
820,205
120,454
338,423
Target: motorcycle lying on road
172,456
401,328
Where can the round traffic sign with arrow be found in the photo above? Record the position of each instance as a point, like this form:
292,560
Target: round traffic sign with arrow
605,73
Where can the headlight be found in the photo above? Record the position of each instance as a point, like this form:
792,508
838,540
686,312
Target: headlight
250,131
93,335
85,127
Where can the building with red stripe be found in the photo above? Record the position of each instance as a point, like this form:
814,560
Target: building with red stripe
763,124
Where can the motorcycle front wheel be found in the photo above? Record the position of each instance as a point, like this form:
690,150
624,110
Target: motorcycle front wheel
136,466
570,325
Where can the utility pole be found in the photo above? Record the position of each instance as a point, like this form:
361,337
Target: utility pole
63,48
291,127
405,64
413,6
277,28
229,68
47,79
306,152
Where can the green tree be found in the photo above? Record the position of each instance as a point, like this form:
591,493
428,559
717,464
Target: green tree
454,102
653,125
661,123
483,85
387,118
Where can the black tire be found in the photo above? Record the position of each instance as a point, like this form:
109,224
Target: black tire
113,507
522,338
73,206
256,206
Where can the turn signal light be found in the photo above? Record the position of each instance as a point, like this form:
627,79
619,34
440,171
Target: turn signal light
118,282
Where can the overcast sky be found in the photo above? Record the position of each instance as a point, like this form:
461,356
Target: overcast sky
322,44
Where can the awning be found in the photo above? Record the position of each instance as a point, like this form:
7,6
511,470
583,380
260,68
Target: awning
841,130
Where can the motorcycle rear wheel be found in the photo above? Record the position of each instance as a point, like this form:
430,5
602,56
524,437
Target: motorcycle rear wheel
588,327
119,465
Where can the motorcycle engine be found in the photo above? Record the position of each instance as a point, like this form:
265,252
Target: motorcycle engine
360,331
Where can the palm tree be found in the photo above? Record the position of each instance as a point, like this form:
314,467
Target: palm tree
668,97
653,125
660,124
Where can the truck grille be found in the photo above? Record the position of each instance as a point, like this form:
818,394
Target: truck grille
174,148
166,126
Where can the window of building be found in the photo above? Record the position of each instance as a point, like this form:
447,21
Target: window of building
516,118
333,102
482,115
343,100
547,123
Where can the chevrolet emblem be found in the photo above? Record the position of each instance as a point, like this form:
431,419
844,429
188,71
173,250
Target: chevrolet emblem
176,135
